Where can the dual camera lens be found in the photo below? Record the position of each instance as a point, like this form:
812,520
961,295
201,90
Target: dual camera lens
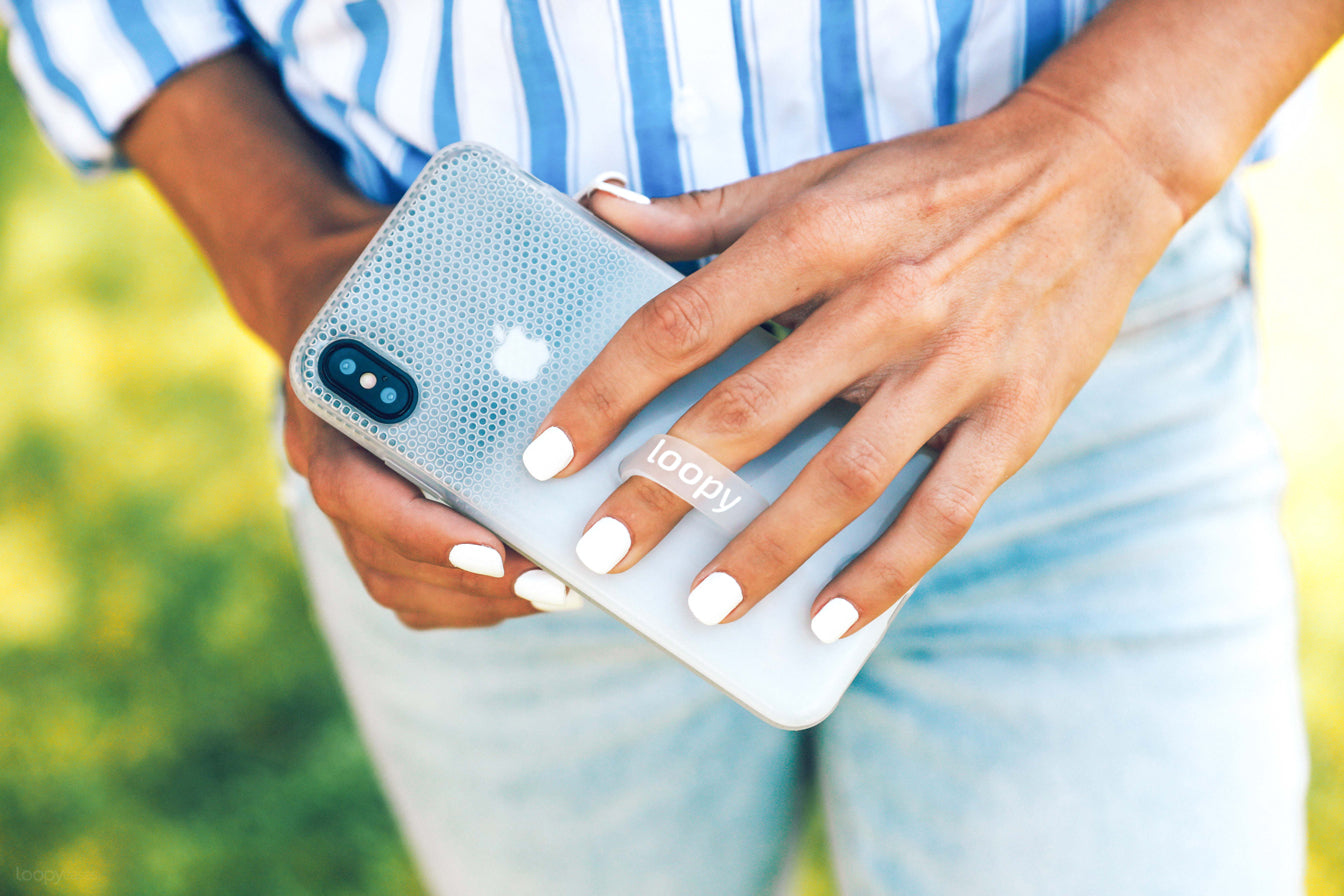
373,384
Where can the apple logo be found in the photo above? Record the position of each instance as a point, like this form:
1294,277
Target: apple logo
517,356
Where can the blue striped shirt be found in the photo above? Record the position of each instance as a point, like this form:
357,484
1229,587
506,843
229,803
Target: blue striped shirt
681,94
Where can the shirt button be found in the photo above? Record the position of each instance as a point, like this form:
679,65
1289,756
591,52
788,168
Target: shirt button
690,113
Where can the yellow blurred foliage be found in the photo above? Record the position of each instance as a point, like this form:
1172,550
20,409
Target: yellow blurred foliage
1298,203
36,594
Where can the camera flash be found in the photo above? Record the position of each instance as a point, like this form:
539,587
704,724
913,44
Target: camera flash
368,379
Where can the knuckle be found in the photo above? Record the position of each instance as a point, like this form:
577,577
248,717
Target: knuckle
709,209
384,591
858,469
888,581
419,622
362,549
1019,402
417,546
806,226
678,325
296,451
741,404
948,510
597,398
958,359
656,499
824,223
327,487
903,294
769,550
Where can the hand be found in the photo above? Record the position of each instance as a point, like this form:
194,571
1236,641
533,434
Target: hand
966,280
281,225
431,566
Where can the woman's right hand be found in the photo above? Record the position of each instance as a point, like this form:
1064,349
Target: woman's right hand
431,566
280,225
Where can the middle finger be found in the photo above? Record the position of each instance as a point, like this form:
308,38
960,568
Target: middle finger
740,419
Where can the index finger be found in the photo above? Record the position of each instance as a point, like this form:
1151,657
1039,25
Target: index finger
352,486
683,328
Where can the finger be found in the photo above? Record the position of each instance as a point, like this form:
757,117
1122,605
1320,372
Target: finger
738,420
688,325
977,460
520,578
705,222
837,485
429,620
446,606
353,487
366,551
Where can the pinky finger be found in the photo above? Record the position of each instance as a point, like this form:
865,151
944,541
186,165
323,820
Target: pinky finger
939,514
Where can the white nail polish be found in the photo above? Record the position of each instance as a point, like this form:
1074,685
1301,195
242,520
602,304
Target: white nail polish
834,620
548,454
713,599
572,602
615,177
478,559
625,193
619,189
540,588
604,545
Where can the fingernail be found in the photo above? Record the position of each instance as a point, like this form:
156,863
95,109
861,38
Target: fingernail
616,177
713,599
541,589
604,545
603,183
834,620
548,454
478,559
623,193
572,602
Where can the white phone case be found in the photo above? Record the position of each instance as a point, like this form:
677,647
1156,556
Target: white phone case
482,273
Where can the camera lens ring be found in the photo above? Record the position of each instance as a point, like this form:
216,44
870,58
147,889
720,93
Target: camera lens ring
390,395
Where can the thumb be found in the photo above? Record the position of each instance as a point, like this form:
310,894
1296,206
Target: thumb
702,222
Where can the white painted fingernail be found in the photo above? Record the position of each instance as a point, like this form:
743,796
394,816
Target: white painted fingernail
572,602
478,559
615,177
604,183
625,193
548,454
834,620
604,545
540,588
713,599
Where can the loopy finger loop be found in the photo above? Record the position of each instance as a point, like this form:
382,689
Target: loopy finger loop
698,479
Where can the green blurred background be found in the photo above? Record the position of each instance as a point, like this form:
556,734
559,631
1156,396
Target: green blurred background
169,722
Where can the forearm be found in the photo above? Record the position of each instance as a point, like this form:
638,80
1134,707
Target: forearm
255,188
1184,86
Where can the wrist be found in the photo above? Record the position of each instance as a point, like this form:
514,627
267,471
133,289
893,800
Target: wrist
1186,161
257,189
1184,86
279,278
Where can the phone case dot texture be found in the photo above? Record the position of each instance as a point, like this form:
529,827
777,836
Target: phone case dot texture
470,236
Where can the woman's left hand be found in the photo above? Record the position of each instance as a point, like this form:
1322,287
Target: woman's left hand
962,282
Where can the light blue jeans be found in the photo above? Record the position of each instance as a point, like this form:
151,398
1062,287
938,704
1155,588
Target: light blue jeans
1095,693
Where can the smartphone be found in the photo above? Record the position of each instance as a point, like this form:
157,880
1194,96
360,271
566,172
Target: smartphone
478,302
